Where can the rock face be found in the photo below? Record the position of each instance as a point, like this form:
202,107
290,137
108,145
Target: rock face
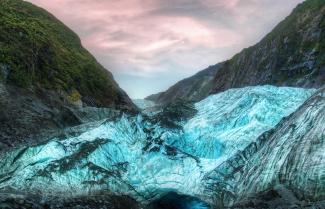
291,55
11,199
46,75
193,89
30,117
145,157
287,161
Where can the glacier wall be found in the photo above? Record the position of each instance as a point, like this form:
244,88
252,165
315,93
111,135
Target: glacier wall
133,155
229,121
288,160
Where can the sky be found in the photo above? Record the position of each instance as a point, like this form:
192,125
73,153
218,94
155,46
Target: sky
149,45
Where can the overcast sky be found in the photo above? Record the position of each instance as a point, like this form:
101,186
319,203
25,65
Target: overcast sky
150,44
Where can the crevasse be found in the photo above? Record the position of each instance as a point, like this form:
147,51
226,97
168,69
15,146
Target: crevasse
113,155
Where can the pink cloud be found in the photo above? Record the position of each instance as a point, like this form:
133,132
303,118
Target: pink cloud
147,38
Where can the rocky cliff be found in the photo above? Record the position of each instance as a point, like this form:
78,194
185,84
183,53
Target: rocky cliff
46,74
292,54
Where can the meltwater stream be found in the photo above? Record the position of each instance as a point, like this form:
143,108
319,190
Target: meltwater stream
137,157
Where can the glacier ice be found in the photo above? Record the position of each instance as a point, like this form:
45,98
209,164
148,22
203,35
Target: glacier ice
143,103
229,121
115,156
288,159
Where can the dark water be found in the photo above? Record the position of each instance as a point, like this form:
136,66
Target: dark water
172,200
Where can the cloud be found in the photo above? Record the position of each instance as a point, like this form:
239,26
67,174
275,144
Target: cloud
165,40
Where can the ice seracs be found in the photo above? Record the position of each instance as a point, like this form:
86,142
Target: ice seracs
288,160
229,121
132,155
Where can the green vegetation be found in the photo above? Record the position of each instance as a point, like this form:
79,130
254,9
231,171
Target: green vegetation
310,5
287,44
321,46
287,32
42,52
74,96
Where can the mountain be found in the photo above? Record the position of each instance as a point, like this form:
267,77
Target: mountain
137,156
46,76
292,54
194,88
71,138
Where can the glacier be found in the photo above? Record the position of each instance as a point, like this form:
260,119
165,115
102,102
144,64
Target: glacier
135,156
229,121
143,103
286,163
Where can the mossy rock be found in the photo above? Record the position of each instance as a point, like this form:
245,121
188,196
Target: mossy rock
42,52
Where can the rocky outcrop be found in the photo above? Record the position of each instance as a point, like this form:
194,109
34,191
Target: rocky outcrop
31,117
48,81
288,161
291,55
13,199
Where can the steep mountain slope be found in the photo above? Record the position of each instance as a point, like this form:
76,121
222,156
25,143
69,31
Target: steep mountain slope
194,88
144,159
39,51
288,161
44,73
291,55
